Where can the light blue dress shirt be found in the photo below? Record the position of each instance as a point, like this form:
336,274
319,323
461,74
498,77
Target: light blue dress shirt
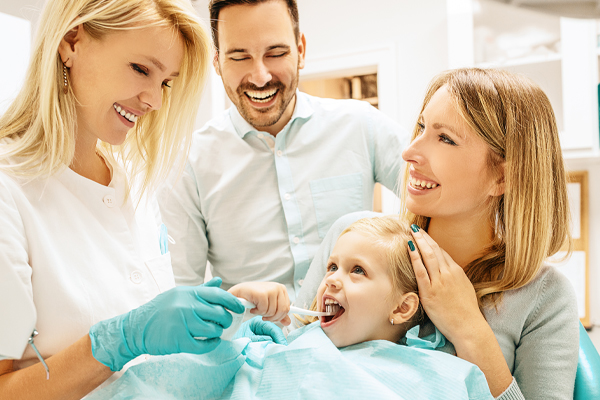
257,206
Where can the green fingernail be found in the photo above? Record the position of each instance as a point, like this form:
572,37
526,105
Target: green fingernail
411,245
414,227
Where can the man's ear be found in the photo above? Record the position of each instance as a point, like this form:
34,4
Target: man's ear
69,45
407,306
215,62
301,50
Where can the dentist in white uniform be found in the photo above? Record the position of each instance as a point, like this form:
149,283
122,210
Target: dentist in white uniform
109,80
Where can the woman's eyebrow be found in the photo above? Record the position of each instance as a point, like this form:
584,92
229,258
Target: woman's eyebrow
438,125
159,65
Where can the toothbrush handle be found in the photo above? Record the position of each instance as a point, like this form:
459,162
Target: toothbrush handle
298,310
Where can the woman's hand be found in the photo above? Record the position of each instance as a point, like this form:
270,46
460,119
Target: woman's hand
449,299
271,299
447,295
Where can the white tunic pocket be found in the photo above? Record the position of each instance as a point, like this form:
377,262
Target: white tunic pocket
161,270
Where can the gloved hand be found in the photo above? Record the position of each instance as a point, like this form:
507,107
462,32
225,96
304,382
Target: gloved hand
166,325
260,331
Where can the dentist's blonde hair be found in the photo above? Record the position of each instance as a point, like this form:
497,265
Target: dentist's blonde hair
42,119
531,219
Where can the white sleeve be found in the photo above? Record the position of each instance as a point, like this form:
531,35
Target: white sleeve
18,319
388,140
181,212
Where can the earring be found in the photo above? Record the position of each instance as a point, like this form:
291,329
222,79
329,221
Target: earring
65,89
392,321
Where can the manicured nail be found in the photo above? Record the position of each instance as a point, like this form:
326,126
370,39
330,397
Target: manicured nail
414,227
411,245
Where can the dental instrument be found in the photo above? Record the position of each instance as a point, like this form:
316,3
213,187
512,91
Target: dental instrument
239,319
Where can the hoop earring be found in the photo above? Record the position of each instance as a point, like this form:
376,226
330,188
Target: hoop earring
65,87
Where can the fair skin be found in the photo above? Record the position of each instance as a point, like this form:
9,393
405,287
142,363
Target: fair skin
358,278
271,299
452,158
258,60
129,70
101,75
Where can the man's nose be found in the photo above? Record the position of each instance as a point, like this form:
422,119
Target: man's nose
260,75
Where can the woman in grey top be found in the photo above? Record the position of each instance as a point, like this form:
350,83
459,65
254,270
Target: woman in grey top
485,182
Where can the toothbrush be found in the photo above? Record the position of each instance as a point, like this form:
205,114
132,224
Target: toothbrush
293,309
301,311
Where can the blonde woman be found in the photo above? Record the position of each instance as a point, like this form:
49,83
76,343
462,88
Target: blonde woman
485,189
111,83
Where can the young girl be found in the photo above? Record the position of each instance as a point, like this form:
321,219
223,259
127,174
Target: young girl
109,101
371,286
485,182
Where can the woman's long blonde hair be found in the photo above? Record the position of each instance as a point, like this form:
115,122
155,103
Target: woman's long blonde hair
531,220
42,119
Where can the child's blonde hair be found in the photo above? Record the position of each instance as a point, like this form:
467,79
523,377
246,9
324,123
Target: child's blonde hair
391,235
42,119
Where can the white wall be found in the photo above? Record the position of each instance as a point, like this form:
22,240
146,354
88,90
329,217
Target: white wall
417,30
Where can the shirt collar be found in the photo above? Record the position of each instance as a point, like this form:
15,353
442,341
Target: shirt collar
302,110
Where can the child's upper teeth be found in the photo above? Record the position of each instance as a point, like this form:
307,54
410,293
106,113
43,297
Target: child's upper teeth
331,301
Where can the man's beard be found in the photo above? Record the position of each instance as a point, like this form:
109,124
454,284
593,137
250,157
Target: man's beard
268,116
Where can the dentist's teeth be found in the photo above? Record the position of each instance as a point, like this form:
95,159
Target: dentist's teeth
129,116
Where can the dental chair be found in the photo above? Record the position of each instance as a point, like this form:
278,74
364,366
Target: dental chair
587,380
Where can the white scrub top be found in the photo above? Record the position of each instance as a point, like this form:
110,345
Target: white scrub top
82,250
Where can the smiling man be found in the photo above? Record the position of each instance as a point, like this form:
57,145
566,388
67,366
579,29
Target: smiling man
266,179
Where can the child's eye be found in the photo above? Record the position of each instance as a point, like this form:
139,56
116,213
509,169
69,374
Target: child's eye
446,139
139,69
332,268
240,59
166,84
420,127
358,270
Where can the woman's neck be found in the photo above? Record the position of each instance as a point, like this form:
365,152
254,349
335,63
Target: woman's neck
88,163
463,240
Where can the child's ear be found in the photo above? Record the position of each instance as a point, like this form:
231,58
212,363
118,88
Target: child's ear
407,306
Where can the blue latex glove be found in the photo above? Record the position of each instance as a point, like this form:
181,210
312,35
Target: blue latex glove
166,325
260,331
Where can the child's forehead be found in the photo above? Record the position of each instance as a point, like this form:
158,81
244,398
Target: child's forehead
360,248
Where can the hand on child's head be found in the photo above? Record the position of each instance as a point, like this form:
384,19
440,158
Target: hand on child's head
271,300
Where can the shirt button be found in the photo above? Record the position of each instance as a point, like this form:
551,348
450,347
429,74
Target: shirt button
296,240
260,136
287,196
109,200
136,277
300,282
279,153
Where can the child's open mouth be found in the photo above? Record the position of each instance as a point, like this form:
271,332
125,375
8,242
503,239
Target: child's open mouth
332,306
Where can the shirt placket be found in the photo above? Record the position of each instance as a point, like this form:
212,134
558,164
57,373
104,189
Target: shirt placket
291,210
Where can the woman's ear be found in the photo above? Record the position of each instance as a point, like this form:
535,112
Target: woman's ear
407,306
69,45
499,186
